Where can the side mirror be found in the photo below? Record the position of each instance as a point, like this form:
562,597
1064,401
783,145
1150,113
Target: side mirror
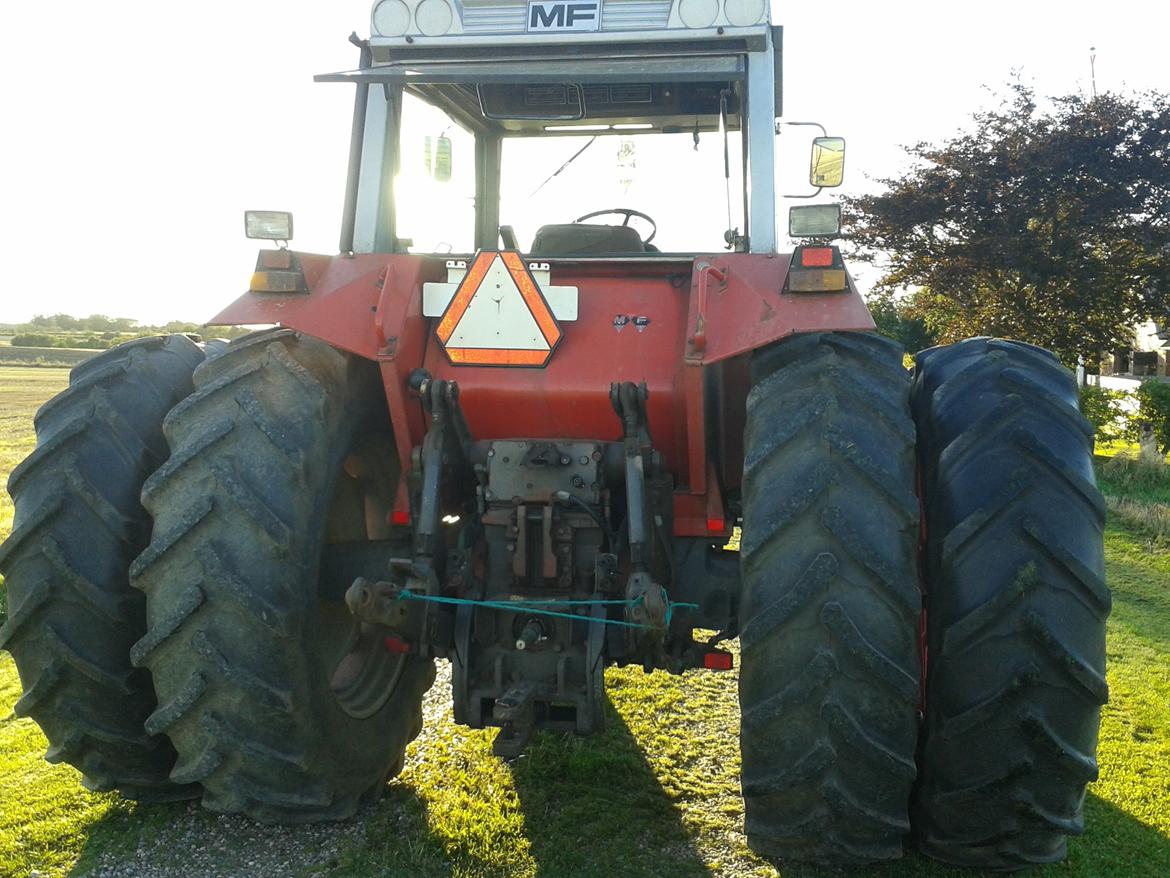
270,225
827,168
814,221
437,156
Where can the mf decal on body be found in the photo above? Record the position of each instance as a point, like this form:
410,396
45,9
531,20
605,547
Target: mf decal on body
559,16
498,316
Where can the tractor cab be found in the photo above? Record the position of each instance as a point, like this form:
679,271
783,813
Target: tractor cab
565,129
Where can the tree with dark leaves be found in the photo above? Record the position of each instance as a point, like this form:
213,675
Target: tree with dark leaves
901,319
1051,225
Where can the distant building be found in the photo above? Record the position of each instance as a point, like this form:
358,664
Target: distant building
1148,358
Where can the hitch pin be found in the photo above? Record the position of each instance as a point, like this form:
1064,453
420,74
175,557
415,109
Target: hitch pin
532,633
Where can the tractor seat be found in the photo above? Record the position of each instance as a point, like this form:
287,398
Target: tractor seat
584,239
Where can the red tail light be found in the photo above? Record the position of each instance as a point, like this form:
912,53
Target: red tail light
816,257
717,660
396,645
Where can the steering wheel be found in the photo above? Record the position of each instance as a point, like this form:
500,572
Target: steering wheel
628,214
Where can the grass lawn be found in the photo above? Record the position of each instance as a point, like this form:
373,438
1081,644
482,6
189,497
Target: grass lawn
656,795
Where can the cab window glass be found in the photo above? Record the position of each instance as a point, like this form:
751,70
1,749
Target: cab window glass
434,190
676,178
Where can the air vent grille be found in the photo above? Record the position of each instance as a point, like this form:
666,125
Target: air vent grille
632,93
546,96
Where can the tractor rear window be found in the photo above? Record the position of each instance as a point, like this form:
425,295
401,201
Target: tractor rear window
661,164
676,178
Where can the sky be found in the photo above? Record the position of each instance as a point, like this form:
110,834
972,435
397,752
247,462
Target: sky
133,135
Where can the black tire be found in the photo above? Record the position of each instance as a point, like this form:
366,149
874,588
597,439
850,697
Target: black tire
1016,601
240,644
831,603
72,613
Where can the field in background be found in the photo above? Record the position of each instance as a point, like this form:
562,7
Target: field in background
22,390
656,795
59,357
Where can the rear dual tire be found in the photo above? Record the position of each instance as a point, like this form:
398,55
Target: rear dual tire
78,525
273,707
1016,604
830,602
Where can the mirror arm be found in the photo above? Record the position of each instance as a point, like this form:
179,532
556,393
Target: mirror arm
812,195
824,133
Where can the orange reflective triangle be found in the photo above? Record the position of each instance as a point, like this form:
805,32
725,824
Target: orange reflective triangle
498,316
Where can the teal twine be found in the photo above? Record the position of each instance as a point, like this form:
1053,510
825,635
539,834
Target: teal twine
534,607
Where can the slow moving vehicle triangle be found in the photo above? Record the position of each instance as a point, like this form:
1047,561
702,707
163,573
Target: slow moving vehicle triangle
498,316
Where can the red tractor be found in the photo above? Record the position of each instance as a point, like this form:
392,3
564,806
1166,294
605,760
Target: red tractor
233,566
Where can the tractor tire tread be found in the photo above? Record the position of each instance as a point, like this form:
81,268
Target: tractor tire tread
1017,606
220,573
78,525
830,607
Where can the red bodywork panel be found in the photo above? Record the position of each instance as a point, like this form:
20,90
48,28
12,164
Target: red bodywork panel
703,316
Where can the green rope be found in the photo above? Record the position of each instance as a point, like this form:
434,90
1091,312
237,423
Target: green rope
535,607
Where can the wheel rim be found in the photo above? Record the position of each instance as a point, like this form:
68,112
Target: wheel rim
363,674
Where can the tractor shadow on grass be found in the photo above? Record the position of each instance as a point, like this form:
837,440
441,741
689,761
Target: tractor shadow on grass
594,807
582,807
1115,844
591,807
182,840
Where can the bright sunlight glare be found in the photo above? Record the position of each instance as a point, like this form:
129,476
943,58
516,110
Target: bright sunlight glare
136,134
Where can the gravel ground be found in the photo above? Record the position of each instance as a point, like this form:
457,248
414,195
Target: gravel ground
199,844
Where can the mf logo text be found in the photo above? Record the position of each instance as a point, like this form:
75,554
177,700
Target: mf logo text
556,16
